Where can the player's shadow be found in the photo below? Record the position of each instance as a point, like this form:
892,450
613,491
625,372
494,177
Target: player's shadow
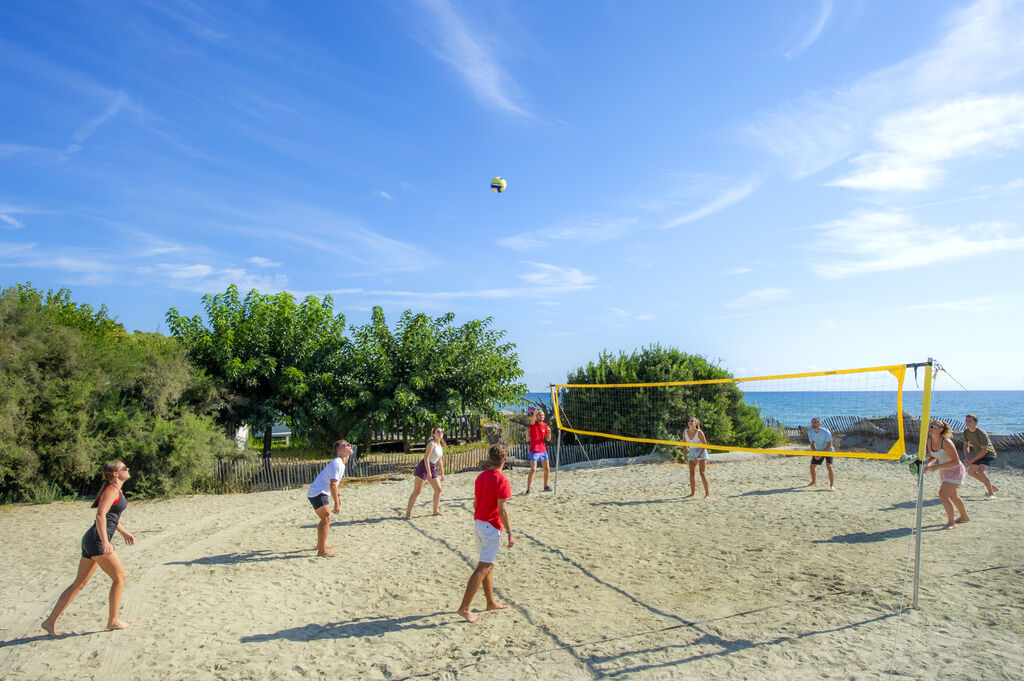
905,505
763,492
357,628
866,537
724,647
354,521
640,502
244,557
46,637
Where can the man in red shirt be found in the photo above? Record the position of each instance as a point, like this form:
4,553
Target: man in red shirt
540,434
492,489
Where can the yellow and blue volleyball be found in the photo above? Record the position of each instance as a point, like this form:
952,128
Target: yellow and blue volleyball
498,184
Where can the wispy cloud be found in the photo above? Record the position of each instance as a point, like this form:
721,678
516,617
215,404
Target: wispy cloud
88,266
724,200
814,32
738,270
891,241
384,195
202,278
454,41
912,145
522,242
981,48
9,221
259,261
761,296
557,277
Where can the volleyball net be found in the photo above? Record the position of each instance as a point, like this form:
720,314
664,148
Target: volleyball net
861,408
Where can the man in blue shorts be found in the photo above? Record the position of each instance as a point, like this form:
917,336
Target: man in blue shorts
540,435
821,441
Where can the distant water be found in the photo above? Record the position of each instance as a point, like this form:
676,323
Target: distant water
999,411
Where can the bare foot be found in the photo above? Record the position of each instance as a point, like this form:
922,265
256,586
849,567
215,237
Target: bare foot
707,495
949,526
963,519
689,495
831,488
325,554
50,627
468,616
497,606
408,517
438,513
994,489
810,484
119,624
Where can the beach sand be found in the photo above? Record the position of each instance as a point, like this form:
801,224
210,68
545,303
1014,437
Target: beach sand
618,576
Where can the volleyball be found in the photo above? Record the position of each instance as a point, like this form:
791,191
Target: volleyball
498,185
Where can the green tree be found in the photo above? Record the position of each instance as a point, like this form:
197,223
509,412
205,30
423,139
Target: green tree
661,413
430,372
275,359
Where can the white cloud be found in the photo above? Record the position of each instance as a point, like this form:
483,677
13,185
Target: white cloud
10,221
383,195
522,242
262,262
556,277
618,311
454,41
814,33
118,101
762,296
724,200
981,49
738,270
202,278
878,241
645,317
913,144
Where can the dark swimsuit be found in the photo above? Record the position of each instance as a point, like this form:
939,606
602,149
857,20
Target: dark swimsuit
92,545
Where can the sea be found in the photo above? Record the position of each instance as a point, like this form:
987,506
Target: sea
1000,412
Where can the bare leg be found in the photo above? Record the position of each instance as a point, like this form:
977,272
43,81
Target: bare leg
529,478
959,503
547,472
111,564
321,532
417,486
436,484
947,503
475,580
814,477
703,465
831,476
86,568
978,473
692,463
488,584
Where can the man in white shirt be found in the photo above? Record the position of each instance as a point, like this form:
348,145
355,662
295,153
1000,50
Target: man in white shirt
326,484
821,441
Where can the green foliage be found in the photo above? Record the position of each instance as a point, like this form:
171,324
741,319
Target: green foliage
77,390
274,360
428,372
725,418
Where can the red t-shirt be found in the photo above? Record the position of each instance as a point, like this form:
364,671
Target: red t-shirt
538,433
491,485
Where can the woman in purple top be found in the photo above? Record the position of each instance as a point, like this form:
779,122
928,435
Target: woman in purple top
429,469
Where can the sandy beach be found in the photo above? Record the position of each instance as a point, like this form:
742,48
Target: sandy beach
619,576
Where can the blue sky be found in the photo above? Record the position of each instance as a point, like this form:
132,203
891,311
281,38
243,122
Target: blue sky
783,187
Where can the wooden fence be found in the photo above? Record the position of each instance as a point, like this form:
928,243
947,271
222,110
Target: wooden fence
282,473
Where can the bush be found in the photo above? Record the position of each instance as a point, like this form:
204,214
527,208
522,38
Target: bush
662,413
77,390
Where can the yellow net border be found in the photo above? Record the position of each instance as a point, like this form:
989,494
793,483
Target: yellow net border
895,452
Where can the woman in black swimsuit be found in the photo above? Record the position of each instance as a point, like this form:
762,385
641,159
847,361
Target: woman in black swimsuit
98,551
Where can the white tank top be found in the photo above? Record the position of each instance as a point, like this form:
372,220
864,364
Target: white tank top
940,454
695,440
436,453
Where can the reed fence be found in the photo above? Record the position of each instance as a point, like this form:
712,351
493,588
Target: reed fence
247,475
888,427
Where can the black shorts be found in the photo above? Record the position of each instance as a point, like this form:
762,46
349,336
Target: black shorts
984,461
815,460
91,544
319,500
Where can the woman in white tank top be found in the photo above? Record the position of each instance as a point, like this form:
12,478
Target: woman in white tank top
697,457
942,457
430,469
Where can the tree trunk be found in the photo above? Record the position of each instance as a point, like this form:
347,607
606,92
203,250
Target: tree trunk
268,439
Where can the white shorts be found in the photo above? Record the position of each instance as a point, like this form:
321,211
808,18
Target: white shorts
488,538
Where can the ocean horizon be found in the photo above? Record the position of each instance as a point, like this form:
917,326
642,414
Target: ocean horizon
998,411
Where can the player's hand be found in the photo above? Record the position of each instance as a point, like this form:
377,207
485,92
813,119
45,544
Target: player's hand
128,538
337,509
510,541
